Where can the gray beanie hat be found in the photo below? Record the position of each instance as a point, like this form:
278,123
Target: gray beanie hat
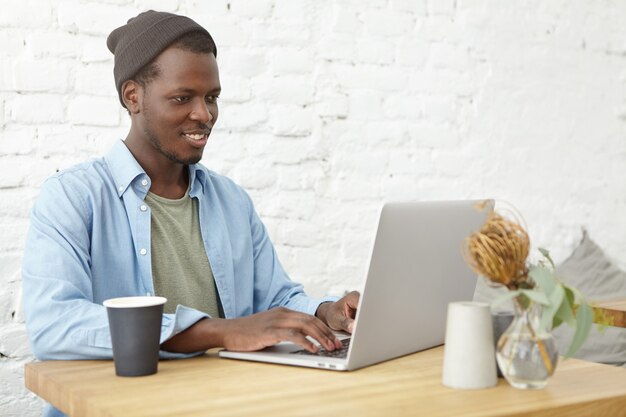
145,36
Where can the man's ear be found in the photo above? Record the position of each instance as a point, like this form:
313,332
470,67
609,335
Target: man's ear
131,95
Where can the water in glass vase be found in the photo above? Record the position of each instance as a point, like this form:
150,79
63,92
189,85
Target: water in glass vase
526,357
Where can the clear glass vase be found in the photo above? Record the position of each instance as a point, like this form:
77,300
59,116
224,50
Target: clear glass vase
526,357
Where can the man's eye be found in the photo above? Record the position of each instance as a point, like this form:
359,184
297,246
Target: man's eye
181,99
211,99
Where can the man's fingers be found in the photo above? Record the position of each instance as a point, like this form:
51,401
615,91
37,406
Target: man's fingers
313,327
298,338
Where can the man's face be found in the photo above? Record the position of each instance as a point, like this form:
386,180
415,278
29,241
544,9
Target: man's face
179,107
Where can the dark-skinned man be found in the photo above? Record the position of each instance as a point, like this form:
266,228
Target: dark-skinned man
147,218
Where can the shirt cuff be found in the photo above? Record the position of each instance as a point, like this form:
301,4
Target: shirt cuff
174,324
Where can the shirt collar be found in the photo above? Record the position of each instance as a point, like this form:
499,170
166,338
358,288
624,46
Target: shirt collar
125,169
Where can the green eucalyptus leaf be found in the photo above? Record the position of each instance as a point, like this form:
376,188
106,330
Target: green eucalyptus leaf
509,295
546,254
565,313
584,318
554,303
556,322
544,278
536,296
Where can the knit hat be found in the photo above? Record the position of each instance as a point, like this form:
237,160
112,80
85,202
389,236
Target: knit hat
143,38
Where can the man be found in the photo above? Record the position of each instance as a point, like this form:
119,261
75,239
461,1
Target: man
148,219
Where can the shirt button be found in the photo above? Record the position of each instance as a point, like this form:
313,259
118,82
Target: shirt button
143,251
121,188
144,182
143,207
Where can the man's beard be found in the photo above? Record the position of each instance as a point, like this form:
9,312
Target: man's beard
170,155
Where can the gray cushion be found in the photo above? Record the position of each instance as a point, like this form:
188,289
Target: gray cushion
593,273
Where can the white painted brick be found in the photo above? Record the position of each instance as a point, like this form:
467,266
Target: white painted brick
375,52
287,90
118,2
11,41
92,18
283,150
14,342
298,12
16,202
37,108
337,48
13,232
445,56
90,110
363,105
6,76
367,76
226,31
62,139
303,176
435,135
416,6
253,9
194,8
442,28
27,14
3,117
282,34
291,60
344,19
242,116
94,49
41,75
52,44
332,105
403,106
298,205
235,89
439,109
298,234
306,262
242,63
10,267
14,171
299,121
95,79
387,23
17,139
255,176
412,52
160,5
443,82
444,7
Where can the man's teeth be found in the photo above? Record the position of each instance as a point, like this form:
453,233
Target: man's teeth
195,136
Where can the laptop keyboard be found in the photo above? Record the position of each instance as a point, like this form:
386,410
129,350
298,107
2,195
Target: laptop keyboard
340,353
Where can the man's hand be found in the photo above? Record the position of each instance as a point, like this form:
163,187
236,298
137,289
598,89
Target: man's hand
276,325
255,332
340,314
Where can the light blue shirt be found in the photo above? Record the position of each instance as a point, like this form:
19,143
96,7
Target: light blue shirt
89,240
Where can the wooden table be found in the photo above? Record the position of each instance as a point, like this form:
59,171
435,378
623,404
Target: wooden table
210,386
613,309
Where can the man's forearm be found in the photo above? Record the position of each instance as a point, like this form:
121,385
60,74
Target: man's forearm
205,334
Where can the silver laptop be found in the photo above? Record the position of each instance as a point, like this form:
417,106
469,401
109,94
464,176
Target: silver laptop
416,269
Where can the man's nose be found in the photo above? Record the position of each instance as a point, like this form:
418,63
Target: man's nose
201,113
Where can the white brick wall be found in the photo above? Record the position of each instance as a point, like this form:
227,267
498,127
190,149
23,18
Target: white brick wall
330,108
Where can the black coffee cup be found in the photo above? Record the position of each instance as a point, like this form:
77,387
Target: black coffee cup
135,326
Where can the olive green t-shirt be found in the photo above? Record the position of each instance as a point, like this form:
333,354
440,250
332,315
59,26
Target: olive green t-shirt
180,267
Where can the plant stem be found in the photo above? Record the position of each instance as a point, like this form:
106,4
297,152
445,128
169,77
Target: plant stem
542,348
